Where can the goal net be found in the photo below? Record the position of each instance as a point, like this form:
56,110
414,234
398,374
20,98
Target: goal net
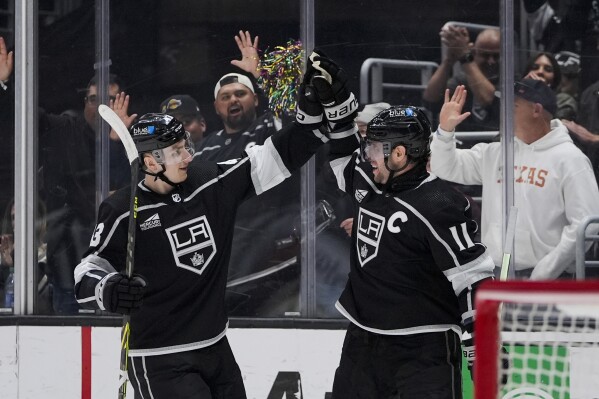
550,332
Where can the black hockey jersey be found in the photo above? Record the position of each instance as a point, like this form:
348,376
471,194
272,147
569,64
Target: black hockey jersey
221,145
183,243
414,262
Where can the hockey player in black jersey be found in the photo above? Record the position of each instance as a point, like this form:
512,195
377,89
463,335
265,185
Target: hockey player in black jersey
414,264
185,216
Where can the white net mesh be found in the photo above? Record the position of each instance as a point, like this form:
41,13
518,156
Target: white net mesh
552,343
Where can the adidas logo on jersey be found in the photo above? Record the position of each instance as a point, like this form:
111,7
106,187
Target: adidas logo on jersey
151,222
360,194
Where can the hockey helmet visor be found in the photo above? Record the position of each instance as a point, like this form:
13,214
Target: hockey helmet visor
179,152
164,137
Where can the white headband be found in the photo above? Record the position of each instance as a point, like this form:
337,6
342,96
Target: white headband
233,78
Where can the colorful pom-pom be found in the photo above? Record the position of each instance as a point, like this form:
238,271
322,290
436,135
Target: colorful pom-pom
280,76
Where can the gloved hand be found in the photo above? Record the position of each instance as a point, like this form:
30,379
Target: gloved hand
470,356
309,110
468,352
121,294
340,104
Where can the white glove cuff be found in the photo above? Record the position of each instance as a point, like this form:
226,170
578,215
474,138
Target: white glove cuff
342,110
306,119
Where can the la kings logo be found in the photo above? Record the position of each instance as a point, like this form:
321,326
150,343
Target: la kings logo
192,244
370,230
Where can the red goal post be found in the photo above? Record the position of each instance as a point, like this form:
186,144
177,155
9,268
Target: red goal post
544,325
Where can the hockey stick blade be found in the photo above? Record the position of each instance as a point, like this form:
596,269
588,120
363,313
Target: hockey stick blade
121,130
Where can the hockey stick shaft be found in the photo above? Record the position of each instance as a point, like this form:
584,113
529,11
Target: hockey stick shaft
121,130
508,246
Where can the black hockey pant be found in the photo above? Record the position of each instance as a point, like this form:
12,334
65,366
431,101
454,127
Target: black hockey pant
418,366
207,373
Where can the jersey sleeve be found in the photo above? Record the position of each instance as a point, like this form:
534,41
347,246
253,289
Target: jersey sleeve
282,154
462,260
106,255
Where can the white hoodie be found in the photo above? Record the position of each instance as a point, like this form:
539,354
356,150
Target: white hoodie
554,189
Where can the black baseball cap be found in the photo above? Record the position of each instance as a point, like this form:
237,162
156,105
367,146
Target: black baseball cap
537,91
181,104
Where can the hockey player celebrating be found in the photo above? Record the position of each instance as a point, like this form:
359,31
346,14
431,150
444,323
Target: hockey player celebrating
414,264
185,216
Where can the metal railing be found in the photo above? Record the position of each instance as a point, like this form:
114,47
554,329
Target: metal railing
581,239
372,82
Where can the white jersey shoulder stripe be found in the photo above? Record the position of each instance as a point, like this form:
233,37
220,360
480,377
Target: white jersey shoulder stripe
217,178
431,229
214,147
368,180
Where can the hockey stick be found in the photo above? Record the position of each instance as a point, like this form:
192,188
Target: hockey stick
121,130
509,243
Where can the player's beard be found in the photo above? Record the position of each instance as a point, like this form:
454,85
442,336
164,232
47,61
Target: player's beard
380,174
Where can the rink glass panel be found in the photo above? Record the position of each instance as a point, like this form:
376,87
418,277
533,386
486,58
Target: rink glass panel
164,48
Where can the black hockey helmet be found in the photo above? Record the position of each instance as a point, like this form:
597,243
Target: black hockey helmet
156,132
402,125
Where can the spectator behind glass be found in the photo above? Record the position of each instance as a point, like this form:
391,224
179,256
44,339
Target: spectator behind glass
247,121
44,288
479,72
554,188
67,180
366,115
585,127
187,111
544,66
571,26
238,102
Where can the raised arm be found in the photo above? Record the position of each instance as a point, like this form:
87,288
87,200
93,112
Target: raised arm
120,105
457,41
6,61
451,114
483,66
482,89
250,60
447,162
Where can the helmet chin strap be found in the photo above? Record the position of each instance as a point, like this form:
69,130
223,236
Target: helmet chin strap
393,171
160,175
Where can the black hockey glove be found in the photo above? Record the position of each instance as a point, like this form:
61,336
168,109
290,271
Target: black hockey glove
340,104
121,294
309,110
470,356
